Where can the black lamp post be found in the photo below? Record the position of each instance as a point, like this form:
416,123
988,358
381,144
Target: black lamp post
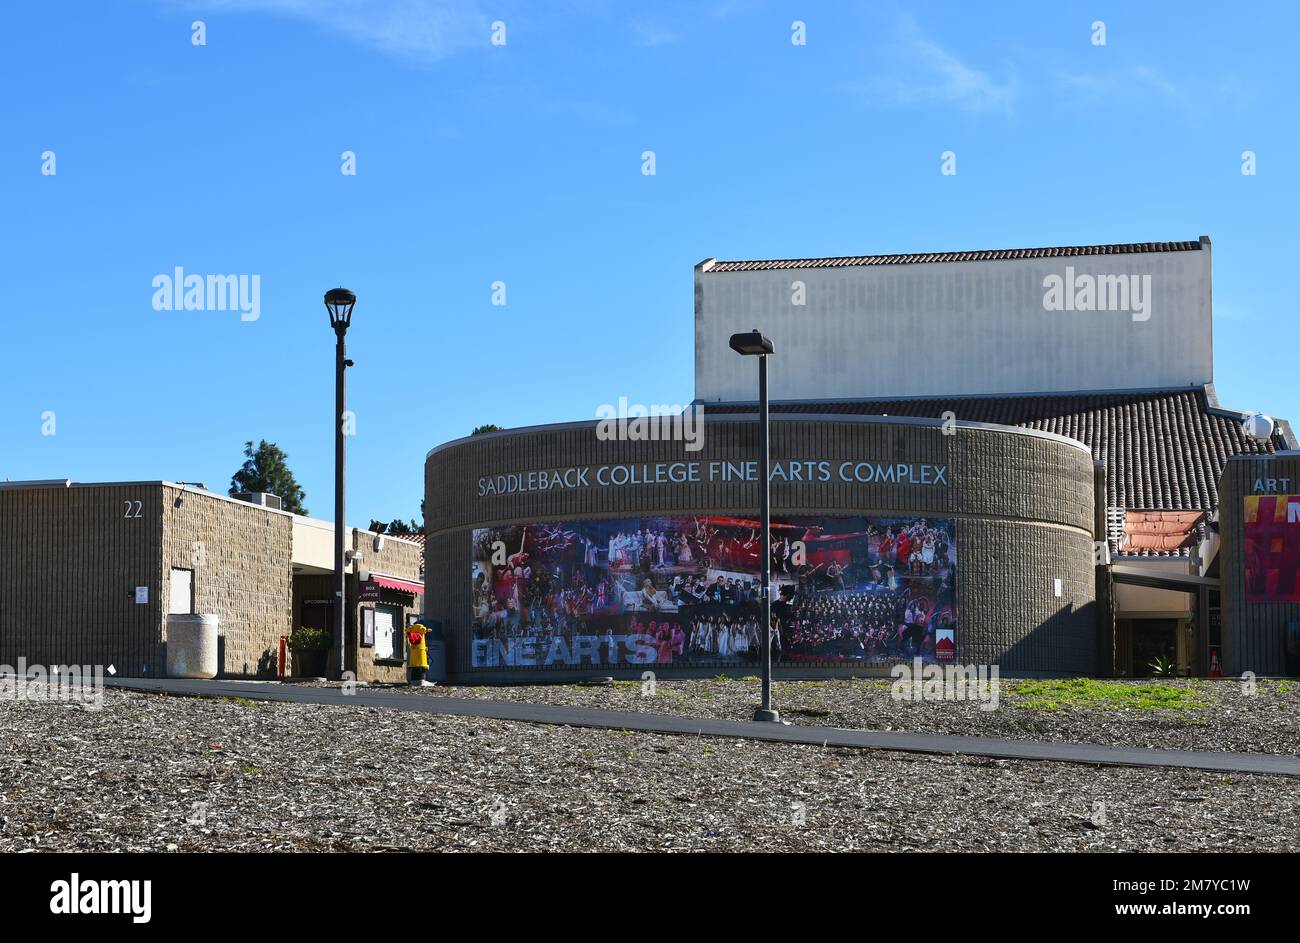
340,302
754,344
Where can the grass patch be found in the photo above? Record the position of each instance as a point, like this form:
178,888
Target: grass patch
241,701
1057,694
248,769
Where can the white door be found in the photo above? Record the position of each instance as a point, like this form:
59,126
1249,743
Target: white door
182,594
383,633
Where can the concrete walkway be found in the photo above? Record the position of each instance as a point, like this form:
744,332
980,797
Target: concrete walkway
738,729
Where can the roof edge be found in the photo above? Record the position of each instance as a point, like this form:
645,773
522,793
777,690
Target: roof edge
1284,432
950,396
713,416
960,255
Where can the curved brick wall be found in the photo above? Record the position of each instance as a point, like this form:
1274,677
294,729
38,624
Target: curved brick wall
1023,503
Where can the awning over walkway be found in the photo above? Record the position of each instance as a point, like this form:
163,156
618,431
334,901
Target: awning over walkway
402,586
1138,575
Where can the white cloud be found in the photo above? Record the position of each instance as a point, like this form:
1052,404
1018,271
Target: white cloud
1134,82
646,33
425,30
1197,97
954,81
922,71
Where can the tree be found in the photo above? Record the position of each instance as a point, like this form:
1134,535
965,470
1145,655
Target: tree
399,527
267,469
479,430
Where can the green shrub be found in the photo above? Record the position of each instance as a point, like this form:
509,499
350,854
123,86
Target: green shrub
307,639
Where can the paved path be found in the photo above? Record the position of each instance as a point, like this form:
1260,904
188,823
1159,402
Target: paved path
739,729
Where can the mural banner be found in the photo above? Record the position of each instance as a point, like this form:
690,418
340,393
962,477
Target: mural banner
1272,548
683,591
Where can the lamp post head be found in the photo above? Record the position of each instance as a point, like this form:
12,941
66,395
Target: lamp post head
751,344
340,302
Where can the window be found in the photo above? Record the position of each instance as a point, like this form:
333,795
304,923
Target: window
182,594
388,640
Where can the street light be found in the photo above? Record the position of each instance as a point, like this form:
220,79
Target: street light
754,344
339,302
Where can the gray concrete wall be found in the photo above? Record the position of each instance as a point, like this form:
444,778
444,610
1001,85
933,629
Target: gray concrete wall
952,328
70,560
1023,505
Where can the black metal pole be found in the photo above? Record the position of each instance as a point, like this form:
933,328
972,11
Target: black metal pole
340,528
765,711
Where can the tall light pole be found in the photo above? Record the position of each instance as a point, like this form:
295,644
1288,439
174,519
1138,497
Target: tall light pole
754,344
340,302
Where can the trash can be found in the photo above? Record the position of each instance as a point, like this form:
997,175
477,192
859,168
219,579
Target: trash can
192,645
437,652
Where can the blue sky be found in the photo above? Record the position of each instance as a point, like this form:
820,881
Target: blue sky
522,163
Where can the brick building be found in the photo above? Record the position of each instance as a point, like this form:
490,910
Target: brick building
1022,371
93,569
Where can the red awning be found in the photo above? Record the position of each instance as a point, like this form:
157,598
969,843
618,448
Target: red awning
402,586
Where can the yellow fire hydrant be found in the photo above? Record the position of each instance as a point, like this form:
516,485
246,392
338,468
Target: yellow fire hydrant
417,655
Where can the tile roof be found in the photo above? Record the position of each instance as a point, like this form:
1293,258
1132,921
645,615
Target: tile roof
415,539
977,255
1164,450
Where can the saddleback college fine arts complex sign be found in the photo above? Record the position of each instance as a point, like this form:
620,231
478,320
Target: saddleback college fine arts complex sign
658,473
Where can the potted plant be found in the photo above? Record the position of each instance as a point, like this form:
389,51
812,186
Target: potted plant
310,647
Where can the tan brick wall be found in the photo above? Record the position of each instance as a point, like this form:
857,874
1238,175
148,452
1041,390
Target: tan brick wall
70,559
241,556
400,559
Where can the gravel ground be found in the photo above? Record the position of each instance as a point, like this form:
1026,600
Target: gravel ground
306,777
1265,722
